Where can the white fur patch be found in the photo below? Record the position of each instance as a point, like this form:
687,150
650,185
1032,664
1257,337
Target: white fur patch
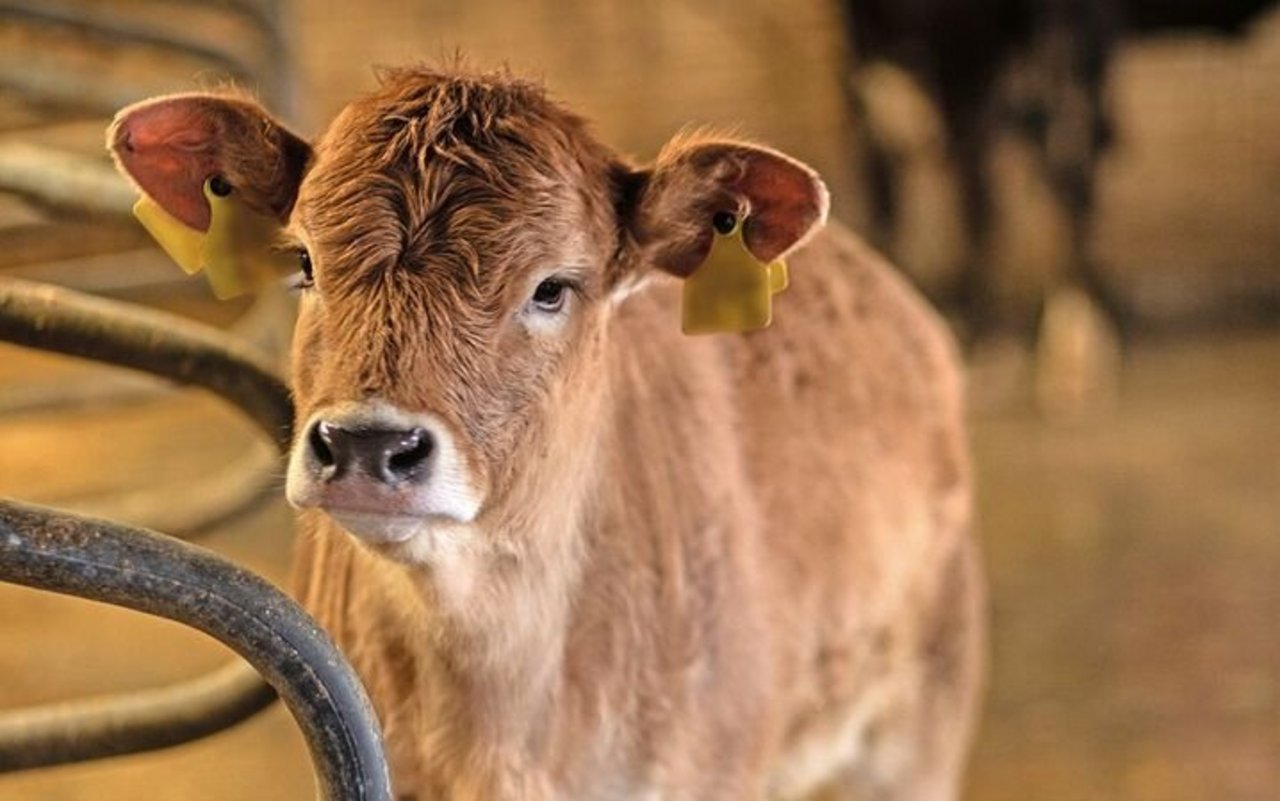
448,498
629,286
817,759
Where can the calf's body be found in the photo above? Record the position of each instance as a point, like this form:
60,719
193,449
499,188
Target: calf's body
773,584
573,553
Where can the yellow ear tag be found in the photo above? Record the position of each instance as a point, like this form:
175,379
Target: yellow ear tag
732,290
237,253
183,244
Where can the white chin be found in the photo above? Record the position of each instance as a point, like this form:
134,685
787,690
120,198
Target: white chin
429,540
380,529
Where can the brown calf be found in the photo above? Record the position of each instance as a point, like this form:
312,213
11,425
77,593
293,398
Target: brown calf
574,553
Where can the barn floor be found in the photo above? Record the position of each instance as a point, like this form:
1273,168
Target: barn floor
1133,562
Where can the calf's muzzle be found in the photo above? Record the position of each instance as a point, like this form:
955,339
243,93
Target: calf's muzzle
388,456
382,472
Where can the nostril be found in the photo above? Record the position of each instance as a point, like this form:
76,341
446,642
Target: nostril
414,450
387,456
319,441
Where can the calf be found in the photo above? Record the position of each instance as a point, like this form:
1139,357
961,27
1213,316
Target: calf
573,553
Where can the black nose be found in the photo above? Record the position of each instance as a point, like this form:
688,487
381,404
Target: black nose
389,456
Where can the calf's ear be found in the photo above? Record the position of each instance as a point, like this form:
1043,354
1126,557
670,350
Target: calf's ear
170,146
780,201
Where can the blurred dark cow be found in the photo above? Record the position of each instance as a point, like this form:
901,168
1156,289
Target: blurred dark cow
1037,66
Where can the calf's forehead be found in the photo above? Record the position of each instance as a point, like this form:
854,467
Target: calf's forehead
433,169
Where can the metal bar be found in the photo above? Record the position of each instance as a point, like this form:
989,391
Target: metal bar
83,243
265,326
131,54
64,179
115,725
165,345
170,347
102,27
193,511
61,69
269,17
163,576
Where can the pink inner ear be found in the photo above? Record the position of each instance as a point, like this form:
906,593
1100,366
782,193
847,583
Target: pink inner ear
168,147
787,200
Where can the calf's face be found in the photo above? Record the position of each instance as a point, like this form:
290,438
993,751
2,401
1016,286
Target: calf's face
457,248
462,243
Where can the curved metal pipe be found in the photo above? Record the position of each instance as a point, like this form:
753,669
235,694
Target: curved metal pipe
266,327
128,723
164,345
264,63
63,179
196,510
163,576
186,512
169,347
106,29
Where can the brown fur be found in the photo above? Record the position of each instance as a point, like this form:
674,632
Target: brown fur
728,567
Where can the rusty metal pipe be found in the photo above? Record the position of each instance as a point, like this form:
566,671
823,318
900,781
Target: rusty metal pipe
163,576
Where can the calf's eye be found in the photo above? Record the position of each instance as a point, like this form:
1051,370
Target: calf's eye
550,295
305,276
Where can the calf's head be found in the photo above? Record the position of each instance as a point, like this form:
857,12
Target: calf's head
463,242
